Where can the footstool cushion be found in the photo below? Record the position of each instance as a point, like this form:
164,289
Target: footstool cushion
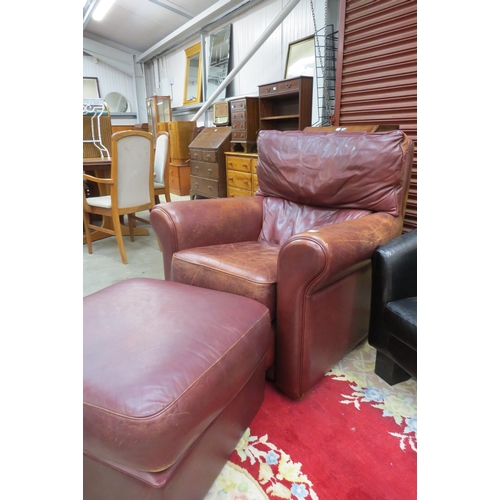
162,363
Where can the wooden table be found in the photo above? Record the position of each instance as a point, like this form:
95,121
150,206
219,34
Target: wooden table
101,167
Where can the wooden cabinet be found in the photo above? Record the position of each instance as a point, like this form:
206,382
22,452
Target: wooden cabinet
180,136
159,110
287,104
208,163
244,123
241,174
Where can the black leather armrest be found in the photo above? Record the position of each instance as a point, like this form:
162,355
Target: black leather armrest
394,269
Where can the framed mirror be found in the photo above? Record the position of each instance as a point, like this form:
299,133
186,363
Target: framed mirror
220,57
117,103
90,87
300,58
192,85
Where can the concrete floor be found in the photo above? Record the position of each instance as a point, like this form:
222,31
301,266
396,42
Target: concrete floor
105,267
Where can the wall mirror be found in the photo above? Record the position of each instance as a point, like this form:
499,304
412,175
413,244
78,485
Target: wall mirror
192,86
117,103
300,58
90,88
220,56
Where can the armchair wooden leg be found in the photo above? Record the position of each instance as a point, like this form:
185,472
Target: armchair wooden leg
389,371
86,223
119,237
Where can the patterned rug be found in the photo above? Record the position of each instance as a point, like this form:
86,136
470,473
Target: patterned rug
353,437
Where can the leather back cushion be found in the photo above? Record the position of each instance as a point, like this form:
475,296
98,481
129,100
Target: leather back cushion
355,170
283,218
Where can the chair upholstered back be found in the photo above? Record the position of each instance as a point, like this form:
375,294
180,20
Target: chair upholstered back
314,179
133,170
161,154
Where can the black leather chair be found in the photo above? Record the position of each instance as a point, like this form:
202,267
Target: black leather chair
393,314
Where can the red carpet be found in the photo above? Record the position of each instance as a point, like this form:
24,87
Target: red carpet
352,438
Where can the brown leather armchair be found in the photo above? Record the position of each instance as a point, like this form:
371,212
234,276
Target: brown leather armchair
302,246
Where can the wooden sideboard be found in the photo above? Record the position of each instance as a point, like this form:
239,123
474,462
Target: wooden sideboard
241,174
208,163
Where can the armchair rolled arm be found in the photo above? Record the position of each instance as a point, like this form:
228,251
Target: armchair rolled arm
197,223
328,253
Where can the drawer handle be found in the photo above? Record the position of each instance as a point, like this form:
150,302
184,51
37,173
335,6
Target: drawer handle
208,157
209,170
171,171
196,185
210,188
245,181
195,156
288,85
230,178
197,168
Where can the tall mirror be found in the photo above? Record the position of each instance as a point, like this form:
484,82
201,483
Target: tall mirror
220,56
192,86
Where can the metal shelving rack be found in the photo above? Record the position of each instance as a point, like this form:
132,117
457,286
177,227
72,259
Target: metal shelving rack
326,46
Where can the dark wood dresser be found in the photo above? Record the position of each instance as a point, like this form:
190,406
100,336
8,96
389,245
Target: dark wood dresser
208,162
244,123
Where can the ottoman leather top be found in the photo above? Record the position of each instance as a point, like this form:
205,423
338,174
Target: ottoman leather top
161,360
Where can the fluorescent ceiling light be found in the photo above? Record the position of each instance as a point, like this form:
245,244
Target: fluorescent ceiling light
102,9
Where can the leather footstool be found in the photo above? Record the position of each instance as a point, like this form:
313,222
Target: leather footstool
173,375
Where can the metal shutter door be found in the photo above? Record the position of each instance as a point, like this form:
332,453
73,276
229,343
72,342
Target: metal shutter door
377,72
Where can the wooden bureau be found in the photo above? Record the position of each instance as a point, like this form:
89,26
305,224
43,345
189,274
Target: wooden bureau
241,173
244,123
208,163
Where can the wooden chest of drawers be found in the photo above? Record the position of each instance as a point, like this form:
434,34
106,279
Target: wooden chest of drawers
244,123
241,173
208,163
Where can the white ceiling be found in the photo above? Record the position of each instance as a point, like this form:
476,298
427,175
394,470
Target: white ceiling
137,25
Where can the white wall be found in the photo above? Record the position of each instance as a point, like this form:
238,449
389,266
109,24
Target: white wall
111,80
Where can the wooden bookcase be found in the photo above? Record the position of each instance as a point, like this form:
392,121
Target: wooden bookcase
287,104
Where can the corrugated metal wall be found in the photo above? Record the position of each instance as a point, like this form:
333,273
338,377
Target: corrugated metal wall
377,72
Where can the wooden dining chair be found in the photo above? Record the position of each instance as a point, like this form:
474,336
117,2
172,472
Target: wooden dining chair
161,163
130,186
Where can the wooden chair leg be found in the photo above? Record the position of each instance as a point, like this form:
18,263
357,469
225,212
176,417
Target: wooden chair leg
87,231
119,237
131,225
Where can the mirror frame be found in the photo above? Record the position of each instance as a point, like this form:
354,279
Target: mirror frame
91,87
219,60
191,52
298,51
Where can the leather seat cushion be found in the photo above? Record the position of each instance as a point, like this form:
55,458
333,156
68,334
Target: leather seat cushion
248,268
157,357
401,320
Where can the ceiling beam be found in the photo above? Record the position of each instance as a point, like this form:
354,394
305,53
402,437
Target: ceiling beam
88,10
171,9
194,26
